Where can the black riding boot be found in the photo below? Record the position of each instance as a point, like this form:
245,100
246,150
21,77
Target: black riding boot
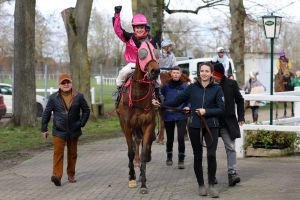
117,94
169,160
181,160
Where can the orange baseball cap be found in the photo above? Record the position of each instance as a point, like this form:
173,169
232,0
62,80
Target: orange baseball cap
64,76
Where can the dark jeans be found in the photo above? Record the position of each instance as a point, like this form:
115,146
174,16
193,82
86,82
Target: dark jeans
254,110
211,144
181,130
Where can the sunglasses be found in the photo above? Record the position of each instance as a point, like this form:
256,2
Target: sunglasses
65,82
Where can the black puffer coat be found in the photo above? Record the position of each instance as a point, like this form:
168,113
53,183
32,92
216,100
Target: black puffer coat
210,98
66,123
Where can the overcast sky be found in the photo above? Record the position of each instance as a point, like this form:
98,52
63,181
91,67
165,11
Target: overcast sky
289,9
260,7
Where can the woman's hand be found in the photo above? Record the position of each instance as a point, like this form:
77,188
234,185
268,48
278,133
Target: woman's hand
186,110
155,103
45,134
200,111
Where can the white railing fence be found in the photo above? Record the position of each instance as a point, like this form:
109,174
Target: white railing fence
51,90
278,124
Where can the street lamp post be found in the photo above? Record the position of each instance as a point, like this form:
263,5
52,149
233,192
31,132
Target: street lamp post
272,26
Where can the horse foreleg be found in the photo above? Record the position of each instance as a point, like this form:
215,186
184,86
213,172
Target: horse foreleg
284,106
146,155
144,189
137,160
132,178
161,131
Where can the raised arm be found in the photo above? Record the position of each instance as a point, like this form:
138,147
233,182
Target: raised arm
121,33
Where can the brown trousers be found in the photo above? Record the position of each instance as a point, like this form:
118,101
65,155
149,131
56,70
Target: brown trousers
58,156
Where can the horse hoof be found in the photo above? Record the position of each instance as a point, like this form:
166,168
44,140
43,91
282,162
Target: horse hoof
132,184
144,191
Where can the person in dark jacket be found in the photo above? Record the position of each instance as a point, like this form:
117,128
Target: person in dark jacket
206,99
66,105
229,123
174,117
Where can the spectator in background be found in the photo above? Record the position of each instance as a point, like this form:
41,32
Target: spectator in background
70,113
296,81
282,57
253,86
167,58
221,57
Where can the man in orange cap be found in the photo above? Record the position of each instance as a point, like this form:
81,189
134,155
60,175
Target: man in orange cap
71,112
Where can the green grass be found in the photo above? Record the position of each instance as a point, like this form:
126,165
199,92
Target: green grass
16,139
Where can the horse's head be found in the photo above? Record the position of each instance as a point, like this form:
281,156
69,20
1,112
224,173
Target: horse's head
148,60
284,69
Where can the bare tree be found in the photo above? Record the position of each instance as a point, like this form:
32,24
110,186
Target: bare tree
187,40
24,82
104,47
205,4
237,44
76,22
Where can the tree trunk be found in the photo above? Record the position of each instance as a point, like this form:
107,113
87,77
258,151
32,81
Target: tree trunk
237,45
76,22
24,104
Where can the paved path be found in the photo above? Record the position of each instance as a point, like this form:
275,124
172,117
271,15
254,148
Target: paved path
102,174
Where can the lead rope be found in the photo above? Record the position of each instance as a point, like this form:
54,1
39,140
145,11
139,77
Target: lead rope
203,123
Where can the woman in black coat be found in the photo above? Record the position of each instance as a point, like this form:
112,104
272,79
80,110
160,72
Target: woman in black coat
206,99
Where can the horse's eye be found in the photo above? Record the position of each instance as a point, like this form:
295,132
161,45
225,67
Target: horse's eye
142,54
156,53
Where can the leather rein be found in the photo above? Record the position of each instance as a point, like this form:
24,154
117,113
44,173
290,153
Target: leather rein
202,122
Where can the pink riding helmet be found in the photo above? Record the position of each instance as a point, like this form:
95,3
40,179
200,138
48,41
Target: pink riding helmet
139,19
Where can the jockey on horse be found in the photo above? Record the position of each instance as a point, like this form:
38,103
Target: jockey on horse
133,42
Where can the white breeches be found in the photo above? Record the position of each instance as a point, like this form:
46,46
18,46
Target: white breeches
124,72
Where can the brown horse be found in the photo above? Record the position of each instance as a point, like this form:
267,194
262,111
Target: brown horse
282,80
165,77
136,112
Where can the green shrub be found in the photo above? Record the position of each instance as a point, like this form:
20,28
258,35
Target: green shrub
271,139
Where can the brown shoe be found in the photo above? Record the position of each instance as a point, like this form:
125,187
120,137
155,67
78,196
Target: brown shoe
56,180
72,179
